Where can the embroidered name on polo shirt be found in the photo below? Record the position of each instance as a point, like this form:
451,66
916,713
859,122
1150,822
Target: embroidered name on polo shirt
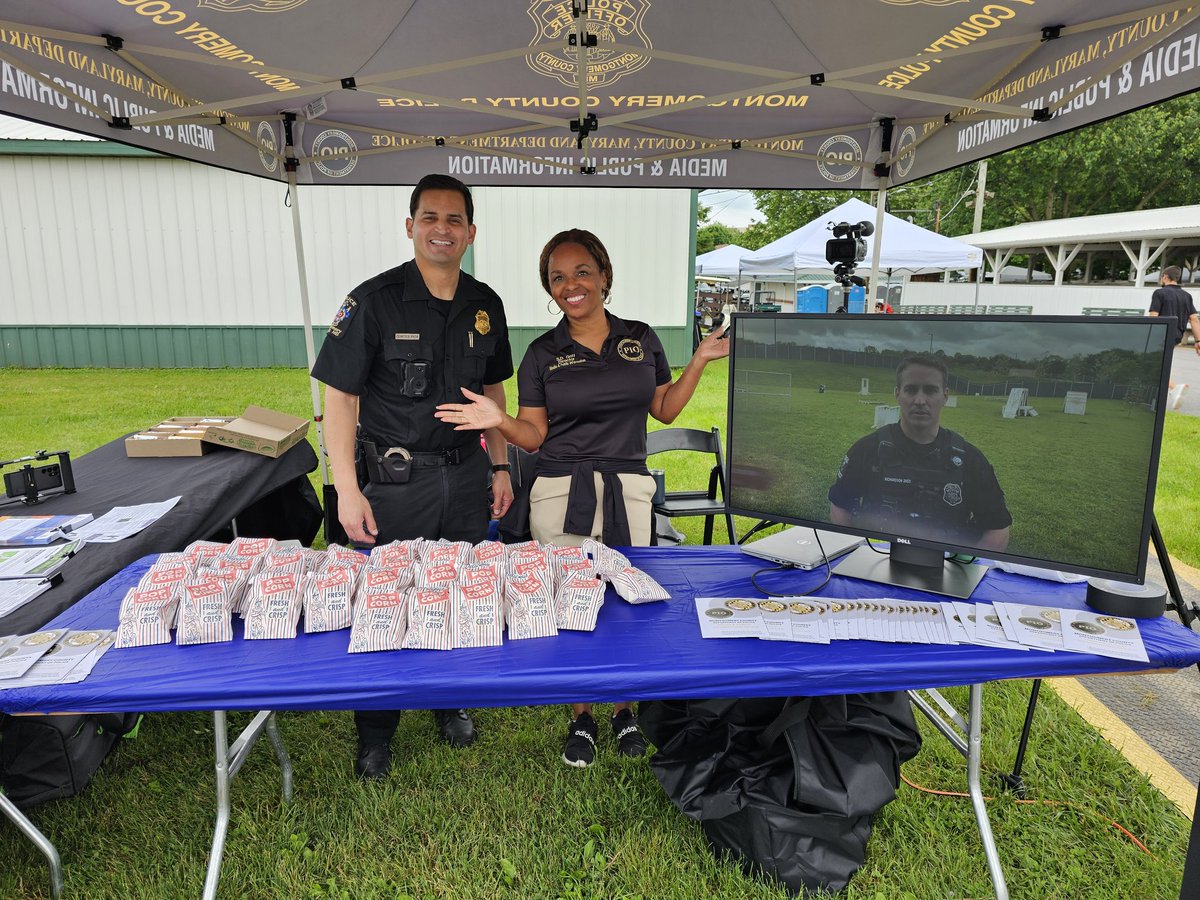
407,336
630,350
563,361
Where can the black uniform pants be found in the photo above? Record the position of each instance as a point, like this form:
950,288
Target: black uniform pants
449,502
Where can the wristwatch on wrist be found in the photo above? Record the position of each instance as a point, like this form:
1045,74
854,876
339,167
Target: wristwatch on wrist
501,467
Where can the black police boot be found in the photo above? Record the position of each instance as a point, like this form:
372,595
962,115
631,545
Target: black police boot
455,726
374,761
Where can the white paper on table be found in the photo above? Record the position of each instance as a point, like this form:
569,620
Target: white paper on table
988,630
20,652
60,664
35,562
729,617
956,628
808,621
1104,635
122,521
16,592
839,628
935,623
1034,626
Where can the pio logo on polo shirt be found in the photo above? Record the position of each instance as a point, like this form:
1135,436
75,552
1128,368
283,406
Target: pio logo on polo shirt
630,350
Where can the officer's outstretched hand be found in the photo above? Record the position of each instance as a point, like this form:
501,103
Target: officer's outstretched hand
715,345
354,512
478,415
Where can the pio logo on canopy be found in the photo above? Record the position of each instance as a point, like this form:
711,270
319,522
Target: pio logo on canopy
264,6
611,21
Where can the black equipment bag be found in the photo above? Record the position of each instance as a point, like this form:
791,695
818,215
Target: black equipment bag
48,757
786,786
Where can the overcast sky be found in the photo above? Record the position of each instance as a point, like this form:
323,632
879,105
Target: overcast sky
732,208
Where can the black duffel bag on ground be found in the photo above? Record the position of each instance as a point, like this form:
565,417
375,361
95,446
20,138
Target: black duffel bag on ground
785,786
49,757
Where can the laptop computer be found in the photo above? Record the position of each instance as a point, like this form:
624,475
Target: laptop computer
798,547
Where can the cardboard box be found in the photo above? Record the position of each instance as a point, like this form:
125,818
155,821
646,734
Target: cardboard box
176,436
259,430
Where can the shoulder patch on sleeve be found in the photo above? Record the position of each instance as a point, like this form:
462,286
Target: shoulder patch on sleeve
344,313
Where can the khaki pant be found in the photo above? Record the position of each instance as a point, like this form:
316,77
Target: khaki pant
548,508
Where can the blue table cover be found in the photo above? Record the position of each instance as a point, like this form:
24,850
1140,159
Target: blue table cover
636,652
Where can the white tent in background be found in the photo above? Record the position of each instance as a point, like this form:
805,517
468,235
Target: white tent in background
722,261
903,246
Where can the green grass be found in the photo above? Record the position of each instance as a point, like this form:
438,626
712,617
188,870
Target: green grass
505,818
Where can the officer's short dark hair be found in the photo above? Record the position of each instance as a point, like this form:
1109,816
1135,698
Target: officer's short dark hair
1172,273
588,242
930,362
437,182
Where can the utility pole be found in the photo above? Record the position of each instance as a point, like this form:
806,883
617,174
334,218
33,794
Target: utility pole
980,195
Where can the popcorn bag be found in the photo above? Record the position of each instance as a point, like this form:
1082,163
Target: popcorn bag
577,604
327,599
488,552
200,552
396,555
251,547
478,602
170,575
204,615
529,607
635,586
607,559
380,622
275,609
431,620
146,616
374,580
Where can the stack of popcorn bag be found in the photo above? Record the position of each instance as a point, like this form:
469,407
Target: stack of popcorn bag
148,610
380,620
529,593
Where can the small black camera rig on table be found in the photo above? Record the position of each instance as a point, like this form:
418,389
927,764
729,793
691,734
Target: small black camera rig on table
32,484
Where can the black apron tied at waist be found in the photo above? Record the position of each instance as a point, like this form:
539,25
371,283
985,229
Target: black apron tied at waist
581,503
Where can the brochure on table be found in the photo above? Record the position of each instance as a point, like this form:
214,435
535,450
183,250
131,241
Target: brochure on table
35,562
35,531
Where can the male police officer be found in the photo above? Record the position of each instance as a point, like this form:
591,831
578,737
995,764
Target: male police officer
918,479
401,343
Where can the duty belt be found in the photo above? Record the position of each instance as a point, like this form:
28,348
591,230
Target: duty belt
424,460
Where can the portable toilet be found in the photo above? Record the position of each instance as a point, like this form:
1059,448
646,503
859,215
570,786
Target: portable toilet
812,299
858,299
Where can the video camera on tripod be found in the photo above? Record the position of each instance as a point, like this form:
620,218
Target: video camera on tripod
846,249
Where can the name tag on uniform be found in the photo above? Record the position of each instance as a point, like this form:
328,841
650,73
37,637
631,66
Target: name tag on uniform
407,336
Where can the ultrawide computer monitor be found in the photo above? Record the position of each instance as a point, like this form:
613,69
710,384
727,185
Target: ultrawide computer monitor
1032,439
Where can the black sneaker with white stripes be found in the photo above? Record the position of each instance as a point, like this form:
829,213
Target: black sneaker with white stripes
580,748
630,741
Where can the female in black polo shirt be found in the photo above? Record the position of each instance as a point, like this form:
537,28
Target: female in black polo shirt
584,390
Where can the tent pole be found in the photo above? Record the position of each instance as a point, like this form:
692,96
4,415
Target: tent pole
880,206
309,347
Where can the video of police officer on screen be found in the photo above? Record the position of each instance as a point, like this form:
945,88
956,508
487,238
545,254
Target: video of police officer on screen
1026,438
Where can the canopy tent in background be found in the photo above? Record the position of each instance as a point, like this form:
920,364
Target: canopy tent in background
902,245
722,262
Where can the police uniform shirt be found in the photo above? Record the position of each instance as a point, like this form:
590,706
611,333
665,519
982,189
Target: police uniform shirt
402,351
1174,303
945,490
596,405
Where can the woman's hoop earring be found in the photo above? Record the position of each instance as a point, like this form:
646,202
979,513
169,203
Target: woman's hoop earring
607,298
550,307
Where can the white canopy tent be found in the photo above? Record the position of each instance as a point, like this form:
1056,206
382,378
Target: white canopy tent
898,245
722,261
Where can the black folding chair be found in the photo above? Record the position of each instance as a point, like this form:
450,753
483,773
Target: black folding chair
689,503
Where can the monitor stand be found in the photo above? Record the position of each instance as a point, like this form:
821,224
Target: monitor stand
919,568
